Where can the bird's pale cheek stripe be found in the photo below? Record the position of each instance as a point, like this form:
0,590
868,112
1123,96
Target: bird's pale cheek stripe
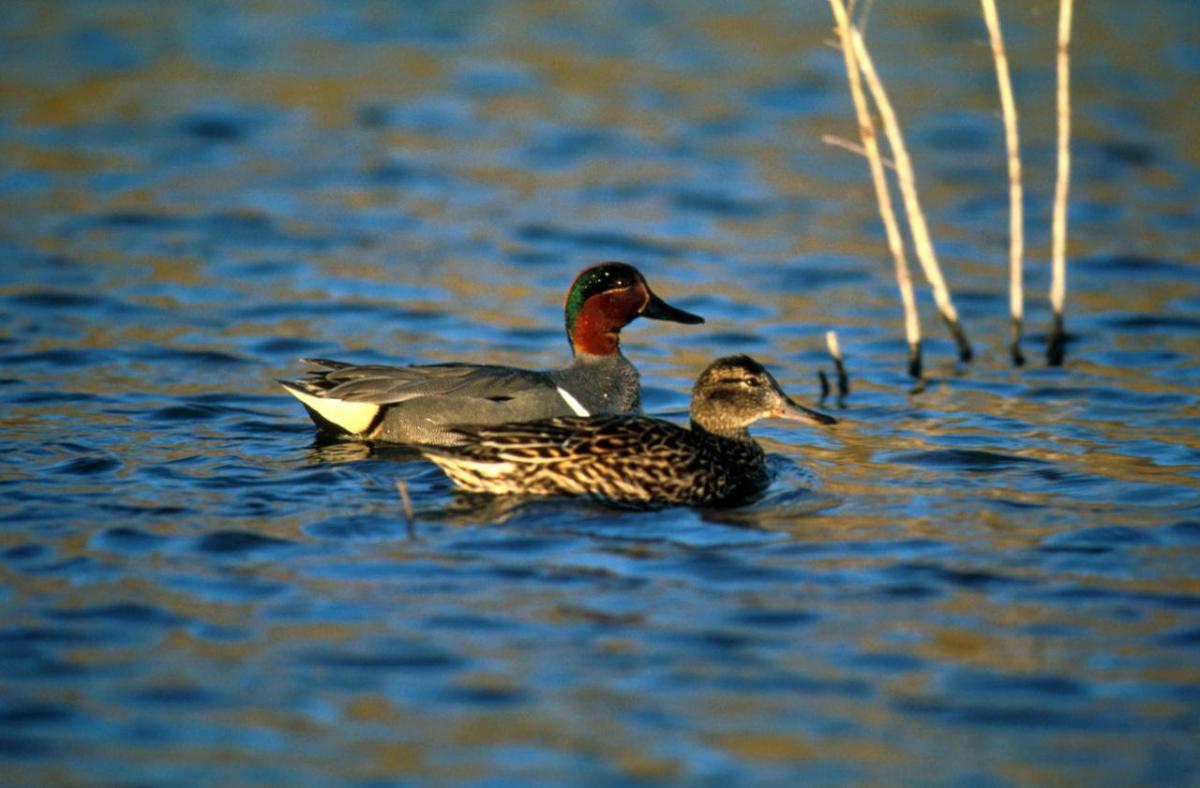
572,403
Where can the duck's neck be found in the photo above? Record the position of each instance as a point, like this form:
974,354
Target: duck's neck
608,383
721,430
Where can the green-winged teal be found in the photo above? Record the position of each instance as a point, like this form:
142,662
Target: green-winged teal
634,459
415,404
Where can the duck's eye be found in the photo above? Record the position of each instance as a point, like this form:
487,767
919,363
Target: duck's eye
751,383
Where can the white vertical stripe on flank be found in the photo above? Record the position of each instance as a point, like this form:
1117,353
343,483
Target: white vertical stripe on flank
572,403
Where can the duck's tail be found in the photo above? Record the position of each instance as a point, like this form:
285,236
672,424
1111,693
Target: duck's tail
332,414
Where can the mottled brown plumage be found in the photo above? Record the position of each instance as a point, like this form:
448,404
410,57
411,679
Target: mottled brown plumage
633,459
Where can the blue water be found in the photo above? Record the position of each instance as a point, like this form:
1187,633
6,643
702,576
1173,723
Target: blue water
988,579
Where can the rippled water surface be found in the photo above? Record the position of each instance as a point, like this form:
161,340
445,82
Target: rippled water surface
992,580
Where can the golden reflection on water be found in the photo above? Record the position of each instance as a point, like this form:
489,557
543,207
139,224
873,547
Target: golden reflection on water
450,232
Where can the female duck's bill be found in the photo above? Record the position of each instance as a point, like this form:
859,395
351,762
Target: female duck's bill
633,459
417,404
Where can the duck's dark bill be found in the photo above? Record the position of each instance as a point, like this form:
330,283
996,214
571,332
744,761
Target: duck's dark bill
659,309
795,412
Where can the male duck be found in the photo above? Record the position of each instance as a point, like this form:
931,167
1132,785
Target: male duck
415,404
633,459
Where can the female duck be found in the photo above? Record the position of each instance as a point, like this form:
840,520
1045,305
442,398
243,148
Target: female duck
633,459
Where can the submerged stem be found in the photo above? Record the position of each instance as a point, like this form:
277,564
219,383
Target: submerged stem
1016,221
912,203
866,129
1058,283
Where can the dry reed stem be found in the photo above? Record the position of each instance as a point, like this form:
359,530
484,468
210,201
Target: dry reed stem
834,141
1016,220
831,342
912,203
866,129
1058,283
835,352
406,502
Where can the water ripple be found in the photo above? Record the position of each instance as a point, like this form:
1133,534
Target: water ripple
238,542
985,577
971,460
